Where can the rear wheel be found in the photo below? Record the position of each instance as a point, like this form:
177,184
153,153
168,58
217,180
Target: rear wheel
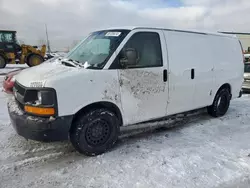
3,62
95,132
34,59
221,103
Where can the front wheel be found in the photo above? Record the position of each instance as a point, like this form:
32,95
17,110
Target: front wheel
95,132
34,59
221,103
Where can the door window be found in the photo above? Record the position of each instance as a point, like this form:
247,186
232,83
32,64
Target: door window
147,46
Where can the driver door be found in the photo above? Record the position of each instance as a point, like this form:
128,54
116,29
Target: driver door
143,85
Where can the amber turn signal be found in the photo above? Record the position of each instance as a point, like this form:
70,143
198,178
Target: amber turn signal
39,110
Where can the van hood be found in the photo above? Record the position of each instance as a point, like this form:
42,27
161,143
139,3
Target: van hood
44,72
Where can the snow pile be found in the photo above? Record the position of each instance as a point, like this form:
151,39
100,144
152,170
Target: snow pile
12,67
13,106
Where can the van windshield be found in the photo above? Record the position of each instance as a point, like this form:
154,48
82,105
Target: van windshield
96,49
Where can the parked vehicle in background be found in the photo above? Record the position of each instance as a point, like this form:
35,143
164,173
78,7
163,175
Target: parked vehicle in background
9,79
246,84
247,57
122,77
14,53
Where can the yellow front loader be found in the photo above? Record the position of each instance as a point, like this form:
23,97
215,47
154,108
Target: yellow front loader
13,53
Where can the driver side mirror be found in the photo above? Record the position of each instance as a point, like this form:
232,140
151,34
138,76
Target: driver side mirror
130,58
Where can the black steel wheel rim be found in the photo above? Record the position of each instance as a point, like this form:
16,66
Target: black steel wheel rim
97,132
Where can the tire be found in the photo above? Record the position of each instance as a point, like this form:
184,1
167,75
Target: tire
34,59
95,132
3,62
221,103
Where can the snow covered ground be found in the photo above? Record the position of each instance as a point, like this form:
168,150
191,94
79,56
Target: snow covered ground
199,151
11,67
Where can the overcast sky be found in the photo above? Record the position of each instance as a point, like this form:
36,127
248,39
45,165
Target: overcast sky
70,20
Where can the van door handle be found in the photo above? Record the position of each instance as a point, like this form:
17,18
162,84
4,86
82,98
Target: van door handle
192,74
165,75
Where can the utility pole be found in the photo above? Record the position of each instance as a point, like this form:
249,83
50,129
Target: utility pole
47,39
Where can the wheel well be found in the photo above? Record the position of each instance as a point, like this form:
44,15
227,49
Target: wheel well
225,86
108,105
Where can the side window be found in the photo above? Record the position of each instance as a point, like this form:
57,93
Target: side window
147,47
6,37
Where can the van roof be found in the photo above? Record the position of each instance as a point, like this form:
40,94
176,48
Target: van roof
172,29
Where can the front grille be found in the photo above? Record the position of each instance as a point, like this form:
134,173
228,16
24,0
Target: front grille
19,88
20,105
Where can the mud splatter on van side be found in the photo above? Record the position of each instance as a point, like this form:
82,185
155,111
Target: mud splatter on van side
141,83
111,93
139,91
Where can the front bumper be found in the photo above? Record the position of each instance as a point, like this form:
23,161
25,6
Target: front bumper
38,128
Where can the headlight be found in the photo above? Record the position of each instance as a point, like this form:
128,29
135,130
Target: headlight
42,102
46,97
39,96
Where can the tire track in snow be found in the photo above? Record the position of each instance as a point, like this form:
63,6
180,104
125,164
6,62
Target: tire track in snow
18,152
29,161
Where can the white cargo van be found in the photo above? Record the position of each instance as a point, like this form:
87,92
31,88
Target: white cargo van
124,76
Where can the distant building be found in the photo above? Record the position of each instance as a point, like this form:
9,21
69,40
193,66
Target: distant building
244,39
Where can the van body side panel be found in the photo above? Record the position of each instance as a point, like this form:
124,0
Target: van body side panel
214,60
199,49
181,61
86,87
229,67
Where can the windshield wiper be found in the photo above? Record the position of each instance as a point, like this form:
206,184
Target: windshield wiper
71,62
74,61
